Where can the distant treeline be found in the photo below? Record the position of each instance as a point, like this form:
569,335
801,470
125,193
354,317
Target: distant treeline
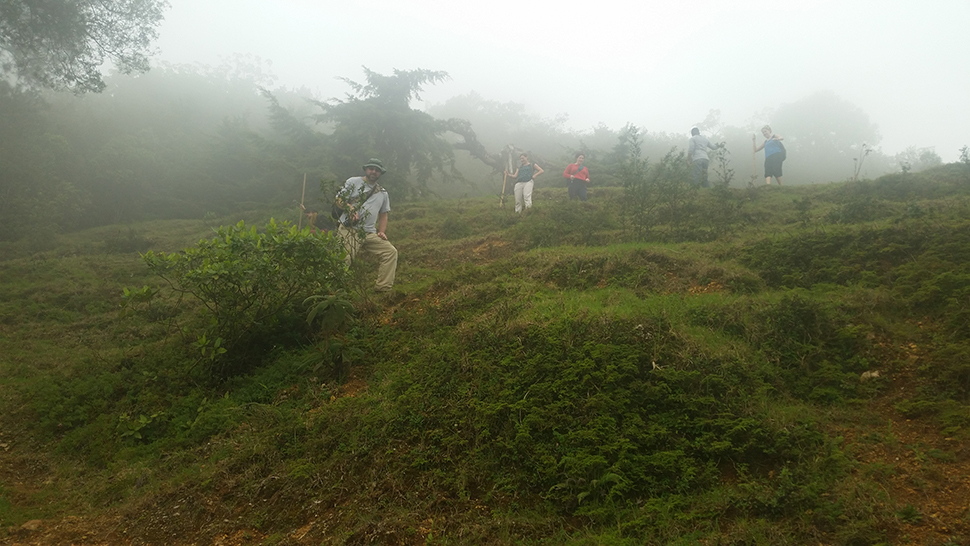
167,144
182,142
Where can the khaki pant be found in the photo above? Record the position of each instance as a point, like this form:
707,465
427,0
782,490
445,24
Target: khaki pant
372,244
523,195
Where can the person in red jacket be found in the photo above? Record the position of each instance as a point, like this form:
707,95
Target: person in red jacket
578,177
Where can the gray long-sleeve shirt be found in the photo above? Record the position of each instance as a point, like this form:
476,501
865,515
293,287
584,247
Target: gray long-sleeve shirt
697,149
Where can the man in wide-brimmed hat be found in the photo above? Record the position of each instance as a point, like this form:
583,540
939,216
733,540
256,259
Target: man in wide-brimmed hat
364,221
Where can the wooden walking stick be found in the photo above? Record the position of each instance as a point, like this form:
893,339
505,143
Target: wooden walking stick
754,162
300,224
509,150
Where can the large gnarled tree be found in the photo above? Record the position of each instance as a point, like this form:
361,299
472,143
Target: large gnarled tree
376,119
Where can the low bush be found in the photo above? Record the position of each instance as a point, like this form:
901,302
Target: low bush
253,286
579,412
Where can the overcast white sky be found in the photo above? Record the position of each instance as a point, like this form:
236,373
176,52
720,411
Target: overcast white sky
660,65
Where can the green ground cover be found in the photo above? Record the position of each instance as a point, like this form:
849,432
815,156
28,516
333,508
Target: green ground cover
566,377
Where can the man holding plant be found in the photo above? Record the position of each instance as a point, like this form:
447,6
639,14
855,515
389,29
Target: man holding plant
697,157
364,221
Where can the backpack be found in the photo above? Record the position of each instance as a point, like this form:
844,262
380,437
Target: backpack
336,212
784,152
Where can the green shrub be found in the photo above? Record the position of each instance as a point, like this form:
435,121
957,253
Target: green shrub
253,286
949,369
119,242
819,355
576,412
567,223
857,211
909,514
454,227
657,195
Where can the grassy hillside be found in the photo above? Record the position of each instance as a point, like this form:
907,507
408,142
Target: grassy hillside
580,375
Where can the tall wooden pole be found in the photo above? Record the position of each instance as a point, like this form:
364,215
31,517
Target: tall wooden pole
509,166
754,162
302,196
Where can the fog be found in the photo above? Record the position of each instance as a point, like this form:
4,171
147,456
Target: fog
660,65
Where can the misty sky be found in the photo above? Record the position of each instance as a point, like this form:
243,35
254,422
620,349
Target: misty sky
660,65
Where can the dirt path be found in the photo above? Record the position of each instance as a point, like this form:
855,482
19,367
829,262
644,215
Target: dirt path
925,474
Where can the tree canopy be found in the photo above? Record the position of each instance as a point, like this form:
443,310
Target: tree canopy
824,133
62,44
826,123
377,120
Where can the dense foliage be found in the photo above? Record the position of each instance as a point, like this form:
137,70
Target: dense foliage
63,44
254,286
